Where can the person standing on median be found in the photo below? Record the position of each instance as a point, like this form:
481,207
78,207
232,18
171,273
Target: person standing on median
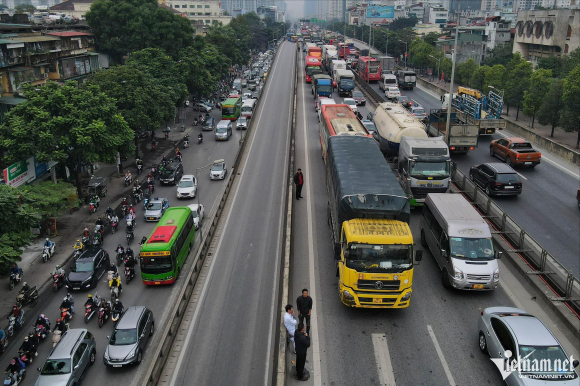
302,343
304,306
299,181
290,323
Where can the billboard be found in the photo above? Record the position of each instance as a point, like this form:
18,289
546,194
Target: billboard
380,11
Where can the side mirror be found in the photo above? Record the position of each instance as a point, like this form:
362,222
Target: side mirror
575,363
76,367
418,255
108,337
498,254
39,369
141,336
444,253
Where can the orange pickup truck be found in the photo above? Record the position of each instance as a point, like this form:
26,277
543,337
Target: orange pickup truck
515,151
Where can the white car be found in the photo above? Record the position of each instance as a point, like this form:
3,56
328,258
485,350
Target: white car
242,123
218,170
187,187
197,210
351,103
392,92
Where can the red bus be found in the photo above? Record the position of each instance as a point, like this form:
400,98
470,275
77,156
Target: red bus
313,66
338,120
369,68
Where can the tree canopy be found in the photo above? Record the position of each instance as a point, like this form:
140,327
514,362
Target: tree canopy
124,26
551,109
501,54
540,82
571,98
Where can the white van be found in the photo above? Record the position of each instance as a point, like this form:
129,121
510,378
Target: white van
387,80
460,241
248,108
237,84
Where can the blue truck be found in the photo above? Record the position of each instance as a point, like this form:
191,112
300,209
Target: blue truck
321,85
345,82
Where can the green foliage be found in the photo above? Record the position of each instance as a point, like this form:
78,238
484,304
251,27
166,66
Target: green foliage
552,105
552,63
163,71
540,83
123,26
571,99
403,22
233,40
202,66
144,104
25,8
494,77
47,198
432,37
66,124
465,70
477,80
501,54
518,81
420,53
446,67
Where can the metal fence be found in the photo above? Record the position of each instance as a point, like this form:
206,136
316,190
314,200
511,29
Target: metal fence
541,262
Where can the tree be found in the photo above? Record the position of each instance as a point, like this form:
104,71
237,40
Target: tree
446,65
494,77
465,70
47,198
25,8
477,80
163,70
551,109
501,54
123,26
432,37
540,82
144,103
517,84
571,99
66,124
552,63
226,40
403,22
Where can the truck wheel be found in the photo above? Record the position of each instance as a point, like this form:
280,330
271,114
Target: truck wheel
423,241
445,279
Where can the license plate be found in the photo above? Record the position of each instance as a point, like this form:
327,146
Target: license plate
527,163
117,366
157,282
478,286
377,300
490,131
151,218
509,187
76,288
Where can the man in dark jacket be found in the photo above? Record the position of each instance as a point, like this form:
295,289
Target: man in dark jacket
304,306
302,341
299,181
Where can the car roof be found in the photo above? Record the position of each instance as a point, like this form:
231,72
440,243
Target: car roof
157,199
187,177
500,168
529,330
90,253
67,343
130,318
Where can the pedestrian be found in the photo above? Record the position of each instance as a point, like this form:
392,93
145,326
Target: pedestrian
290,323
304,306
302,343
299,181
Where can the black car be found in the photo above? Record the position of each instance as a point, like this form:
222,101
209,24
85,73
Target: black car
404,100
171,174
208,124
359,98
87,269
496,179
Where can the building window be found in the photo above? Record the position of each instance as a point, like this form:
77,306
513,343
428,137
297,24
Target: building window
520,28
176,6
199,6
208,14
207,6
192,6
566,49
569,31
529,29
549,29
539,27
208,22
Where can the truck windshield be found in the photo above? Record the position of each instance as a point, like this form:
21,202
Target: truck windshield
466,248
429,169
378,258
312,70
325,88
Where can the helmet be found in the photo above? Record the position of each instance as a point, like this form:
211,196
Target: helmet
42,316
129,249
68,295
58,320
124,198
57,266
116,301
24,284
78,240
65,298
47,239
13,362
108,207
90,296
86,229
26,339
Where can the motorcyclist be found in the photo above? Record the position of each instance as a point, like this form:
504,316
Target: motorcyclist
200,136
129,253
130,262
16,312
95,199
150,175
33,339
2,335
60,325
115,219
120,249
116,282
48,243
106,305
79,245
42,321
124,202
164,160
128,176
15,369
58,271
109,212
138,162
25,288
86,233
186,138
118,306
132,211
143,241
113,268
90,301
16,271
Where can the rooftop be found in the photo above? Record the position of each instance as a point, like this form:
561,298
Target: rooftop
69,33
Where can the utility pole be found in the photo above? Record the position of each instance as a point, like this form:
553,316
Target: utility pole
454,56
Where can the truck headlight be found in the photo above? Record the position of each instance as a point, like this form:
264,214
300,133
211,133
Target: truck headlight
496,275
458,274
347,295
406,296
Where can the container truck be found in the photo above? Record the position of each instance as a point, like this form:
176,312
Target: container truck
344,82
321,85
463,136
407,79
387,64
368,215
393,121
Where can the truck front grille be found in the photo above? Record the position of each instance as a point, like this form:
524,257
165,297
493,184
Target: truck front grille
387,285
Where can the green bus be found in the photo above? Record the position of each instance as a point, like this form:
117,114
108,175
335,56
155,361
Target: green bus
165,252
231,108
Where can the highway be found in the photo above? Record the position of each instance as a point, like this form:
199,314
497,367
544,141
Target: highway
155,298
547,208
231,338
432,342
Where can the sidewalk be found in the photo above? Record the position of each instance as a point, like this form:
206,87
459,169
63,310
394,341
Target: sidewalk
70,226
567,139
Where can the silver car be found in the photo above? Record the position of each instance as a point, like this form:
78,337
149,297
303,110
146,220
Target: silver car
69,360
218,170
155,209
129,339
511,333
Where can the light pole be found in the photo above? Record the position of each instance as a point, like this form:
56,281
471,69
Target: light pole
387,45
406,52
438,67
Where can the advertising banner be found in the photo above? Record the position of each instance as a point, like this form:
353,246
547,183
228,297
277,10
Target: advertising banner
16,174
380,11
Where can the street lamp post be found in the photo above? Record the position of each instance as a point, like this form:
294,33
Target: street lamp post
406,52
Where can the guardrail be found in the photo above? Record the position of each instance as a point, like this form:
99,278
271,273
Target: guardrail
377,98
155,369
565,287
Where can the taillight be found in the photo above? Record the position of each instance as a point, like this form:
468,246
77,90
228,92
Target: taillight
452,148
497,184
481,313
472,148
517,156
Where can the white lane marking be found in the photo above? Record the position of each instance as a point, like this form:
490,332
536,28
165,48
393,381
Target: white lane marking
441,357
383,358
312,289
521,176
267,375
511,295
208,277
544,158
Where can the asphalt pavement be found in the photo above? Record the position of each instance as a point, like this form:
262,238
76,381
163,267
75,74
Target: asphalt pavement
155,298
432,342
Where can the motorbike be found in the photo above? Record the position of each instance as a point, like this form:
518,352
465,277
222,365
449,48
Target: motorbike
151,189
97,240
13,324
129,274
186,143
199,140
146,200
153,146
120,258
114,226
57,281
114,293
27,297
130,223
10,382
139,168
41,332
93,206
65,314
137,195
3,344
47,252
115,315
90,309
128,180
178,157
14,280
84,240
104,313
129,236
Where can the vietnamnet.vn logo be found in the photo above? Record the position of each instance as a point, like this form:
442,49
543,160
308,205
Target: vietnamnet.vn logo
536,368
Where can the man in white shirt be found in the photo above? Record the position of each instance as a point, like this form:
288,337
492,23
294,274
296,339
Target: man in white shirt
290,323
